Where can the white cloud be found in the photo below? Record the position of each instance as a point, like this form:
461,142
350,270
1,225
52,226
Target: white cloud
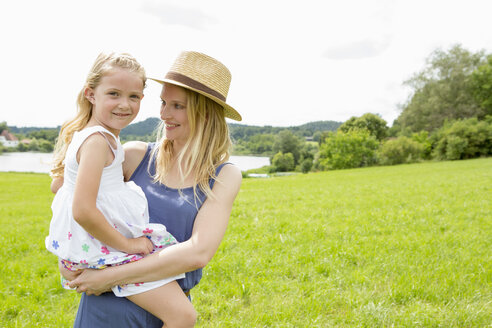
178,15
358,49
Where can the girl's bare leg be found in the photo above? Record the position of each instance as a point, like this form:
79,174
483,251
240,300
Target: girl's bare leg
169,304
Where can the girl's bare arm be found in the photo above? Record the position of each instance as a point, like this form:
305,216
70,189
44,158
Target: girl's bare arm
56,184
93,157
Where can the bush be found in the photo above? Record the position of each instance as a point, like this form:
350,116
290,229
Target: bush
400,150
306,165
464,139
423,138
33,145
22,148
283,162
45,146
355,148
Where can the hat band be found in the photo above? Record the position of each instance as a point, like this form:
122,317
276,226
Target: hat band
193,84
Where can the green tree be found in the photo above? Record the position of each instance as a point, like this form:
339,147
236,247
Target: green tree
481,86
3,126
441,91
283,162
261,143
356,148
33,145
308,152
324,135
287,142
317,136
370,122
46,134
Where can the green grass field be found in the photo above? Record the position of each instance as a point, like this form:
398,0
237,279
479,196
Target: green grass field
400,246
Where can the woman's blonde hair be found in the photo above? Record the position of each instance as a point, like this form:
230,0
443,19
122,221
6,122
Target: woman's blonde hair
208,144
103,64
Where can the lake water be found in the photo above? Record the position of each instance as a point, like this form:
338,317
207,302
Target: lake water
40,162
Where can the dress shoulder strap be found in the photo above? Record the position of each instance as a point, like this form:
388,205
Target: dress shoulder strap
80,136
109,143
211,181
97,128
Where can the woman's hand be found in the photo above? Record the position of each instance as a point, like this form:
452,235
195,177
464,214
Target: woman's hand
141,245
67,274
93,282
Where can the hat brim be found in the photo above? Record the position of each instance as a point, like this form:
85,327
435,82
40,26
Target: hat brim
229,111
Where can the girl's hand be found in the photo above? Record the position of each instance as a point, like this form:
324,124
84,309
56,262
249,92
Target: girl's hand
93,282
141,245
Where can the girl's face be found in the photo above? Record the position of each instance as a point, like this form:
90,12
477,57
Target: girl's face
174,114
116,100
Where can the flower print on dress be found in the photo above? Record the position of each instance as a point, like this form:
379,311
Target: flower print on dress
69,235
104,250
147,230
55,244
85,248
169,240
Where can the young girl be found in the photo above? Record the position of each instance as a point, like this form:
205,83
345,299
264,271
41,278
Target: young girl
98,219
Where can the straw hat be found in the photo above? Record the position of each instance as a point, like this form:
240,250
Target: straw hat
203,74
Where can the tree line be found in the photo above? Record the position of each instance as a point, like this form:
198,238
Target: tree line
448,116
40,139
247,139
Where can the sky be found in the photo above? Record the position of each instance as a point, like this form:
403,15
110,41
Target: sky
292,62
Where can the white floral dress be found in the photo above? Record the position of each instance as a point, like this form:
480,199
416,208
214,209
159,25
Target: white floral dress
123,204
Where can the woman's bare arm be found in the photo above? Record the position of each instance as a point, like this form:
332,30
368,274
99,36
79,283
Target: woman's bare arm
208,232
134,153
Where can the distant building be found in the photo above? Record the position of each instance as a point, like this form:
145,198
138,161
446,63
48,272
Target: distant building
8,139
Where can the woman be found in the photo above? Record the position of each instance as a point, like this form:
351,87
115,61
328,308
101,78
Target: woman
189,185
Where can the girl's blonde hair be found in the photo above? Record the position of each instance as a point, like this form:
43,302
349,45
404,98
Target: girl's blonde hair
208,144
103,64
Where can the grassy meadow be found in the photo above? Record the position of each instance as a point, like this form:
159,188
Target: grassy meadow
399,246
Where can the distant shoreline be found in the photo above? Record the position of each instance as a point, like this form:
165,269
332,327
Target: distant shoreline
38,162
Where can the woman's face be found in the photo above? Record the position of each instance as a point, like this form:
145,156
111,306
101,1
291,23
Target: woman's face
174,114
